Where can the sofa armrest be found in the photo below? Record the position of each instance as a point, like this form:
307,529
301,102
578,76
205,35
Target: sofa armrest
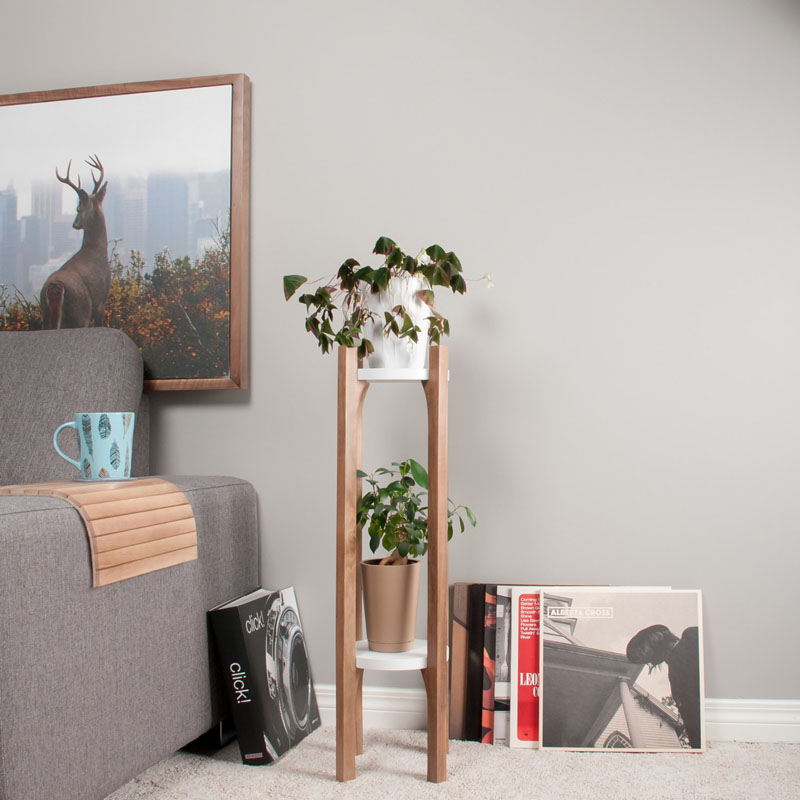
101,683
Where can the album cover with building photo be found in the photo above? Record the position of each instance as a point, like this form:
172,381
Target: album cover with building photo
621,669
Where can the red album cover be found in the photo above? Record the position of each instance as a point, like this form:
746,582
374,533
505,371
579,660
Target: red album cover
525,678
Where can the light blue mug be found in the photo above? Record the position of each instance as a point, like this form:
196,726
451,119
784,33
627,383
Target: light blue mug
105,444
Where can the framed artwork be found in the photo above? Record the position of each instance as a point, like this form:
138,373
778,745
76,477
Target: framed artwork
127,205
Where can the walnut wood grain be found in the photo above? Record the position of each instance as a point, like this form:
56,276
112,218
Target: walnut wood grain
350,404
436,681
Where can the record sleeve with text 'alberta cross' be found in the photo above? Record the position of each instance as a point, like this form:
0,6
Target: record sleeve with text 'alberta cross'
621,669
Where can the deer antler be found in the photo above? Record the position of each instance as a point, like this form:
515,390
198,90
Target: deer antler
94,163
67,180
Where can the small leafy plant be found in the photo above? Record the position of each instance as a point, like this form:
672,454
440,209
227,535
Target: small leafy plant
394,511
348,290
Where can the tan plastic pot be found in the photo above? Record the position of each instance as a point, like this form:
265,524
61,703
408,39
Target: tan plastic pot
390,604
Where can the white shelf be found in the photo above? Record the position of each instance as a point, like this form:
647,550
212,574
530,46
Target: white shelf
415,658
394,375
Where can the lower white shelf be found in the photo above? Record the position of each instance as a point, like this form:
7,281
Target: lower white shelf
415,658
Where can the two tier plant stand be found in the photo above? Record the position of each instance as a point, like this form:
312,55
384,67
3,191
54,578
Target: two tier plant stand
353,656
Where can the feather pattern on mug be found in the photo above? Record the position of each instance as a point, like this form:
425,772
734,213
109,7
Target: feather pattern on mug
87,468
103,473
113,455
86,427
104,426
127,419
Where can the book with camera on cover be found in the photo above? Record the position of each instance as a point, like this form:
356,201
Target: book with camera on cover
264,667
622,668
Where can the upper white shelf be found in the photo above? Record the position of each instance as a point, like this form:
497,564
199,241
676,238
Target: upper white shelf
415,658
394,375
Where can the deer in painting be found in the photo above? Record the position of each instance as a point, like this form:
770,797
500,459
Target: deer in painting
75,294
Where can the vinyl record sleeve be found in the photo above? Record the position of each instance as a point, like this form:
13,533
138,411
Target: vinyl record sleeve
525,673
502,671
622,668
459,654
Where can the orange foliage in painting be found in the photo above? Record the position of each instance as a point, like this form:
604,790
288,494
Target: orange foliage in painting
178,313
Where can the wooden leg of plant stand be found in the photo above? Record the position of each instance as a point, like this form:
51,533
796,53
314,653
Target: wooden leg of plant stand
427,695
435,675
351,393
360,713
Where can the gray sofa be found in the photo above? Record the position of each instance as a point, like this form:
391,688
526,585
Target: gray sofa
97,684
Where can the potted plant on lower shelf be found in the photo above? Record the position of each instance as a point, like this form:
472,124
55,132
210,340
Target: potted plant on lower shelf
394,512
387,311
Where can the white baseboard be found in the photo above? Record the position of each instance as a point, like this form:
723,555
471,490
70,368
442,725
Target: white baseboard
752,720
384,707
726,720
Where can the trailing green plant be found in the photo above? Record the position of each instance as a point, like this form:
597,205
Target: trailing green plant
349,289
394,511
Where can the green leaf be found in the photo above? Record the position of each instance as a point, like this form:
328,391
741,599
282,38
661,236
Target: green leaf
470,516
380,279
402,548
458,284
439,278
426,295
410,264
435,252
291,283
384,246
419,473
361,274
361,474
453,259
395,258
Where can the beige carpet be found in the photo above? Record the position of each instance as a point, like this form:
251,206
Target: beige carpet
394,763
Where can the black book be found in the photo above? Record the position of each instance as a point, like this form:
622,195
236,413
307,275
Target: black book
474,701
264,666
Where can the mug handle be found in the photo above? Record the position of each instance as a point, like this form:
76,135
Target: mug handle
59,450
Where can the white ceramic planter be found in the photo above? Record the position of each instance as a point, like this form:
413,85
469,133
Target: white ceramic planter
391,352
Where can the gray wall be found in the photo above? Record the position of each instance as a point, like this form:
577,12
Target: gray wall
624,403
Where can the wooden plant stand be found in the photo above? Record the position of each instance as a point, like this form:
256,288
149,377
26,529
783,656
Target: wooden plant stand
353,385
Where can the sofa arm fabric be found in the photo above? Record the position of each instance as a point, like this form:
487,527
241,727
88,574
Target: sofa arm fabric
48,376
100,683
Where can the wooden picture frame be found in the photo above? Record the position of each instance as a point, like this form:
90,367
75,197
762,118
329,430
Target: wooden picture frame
184,111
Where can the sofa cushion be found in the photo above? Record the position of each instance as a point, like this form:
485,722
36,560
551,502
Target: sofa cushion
48,376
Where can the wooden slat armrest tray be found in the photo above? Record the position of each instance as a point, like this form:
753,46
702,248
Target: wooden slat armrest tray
134,526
